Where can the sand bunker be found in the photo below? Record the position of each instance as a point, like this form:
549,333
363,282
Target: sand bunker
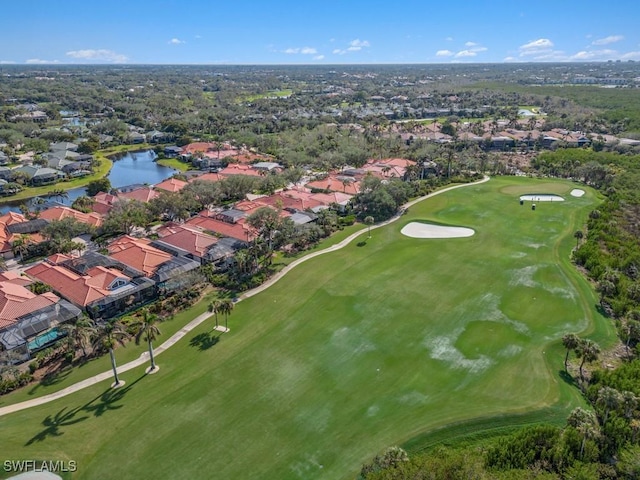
542,197
426,230
576,192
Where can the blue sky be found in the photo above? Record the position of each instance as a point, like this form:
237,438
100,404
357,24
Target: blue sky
316,32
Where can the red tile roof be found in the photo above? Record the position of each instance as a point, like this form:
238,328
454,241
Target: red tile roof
208,177
171,185
193,240
239,231
6,237
334,184
142,194
58,213
16,301
11,276
237,169
291,199
79,289
137,253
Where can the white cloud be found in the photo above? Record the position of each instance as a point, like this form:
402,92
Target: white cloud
319,57
301,50
470,44
630,56
37,61
7,62
605,54
354,46
449,39
465,53
607,40
537,44
176,41
444,53
510,59
542,45
100,55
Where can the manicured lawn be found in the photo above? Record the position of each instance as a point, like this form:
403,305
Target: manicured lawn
373,345
174,163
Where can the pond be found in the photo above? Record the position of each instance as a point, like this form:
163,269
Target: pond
128,169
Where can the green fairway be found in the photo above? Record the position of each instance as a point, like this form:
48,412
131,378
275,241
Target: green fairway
376,344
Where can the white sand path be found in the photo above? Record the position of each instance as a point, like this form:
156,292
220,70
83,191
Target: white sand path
108,375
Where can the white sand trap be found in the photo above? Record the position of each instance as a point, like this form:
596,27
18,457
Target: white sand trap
427,230
542,197
576,192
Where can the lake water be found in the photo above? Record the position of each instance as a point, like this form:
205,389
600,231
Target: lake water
128,169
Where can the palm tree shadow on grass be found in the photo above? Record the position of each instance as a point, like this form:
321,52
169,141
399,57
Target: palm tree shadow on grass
53,424
204,341
568,379
108,399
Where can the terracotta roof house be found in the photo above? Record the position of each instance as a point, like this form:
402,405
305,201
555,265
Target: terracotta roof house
331,198
159,265
102,286
143,194
60,212
6,237
189,239
27,319
171,185
239,231
291,199
237,169
208,177
11,276
334,184
103,202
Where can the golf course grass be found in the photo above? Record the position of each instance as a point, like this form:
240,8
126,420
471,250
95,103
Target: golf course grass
385,342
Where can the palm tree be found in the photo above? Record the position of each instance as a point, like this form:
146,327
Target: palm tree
368,220
214,307
588,350
148,328
225,307
586,423
110,335
80,333
578,236
610,399
570,341
20,245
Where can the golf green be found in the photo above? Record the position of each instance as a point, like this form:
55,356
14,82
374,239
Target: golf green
369,346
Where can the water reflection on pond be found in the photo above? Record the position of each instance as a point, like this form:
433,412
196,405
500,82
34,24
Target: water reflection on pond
128,169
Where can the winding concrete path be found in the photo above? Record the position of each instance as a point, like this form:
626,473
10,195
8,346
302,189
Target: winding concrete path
205,316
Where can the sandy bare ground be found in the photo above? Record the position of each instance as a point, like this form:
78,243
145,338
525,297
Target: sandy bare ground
206,315
542,197
425,230
576,192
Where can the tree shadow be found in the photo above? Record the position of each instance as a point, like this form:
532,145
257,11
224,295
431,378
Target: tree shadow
108,399
568,379
204,341
361,244
53,424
